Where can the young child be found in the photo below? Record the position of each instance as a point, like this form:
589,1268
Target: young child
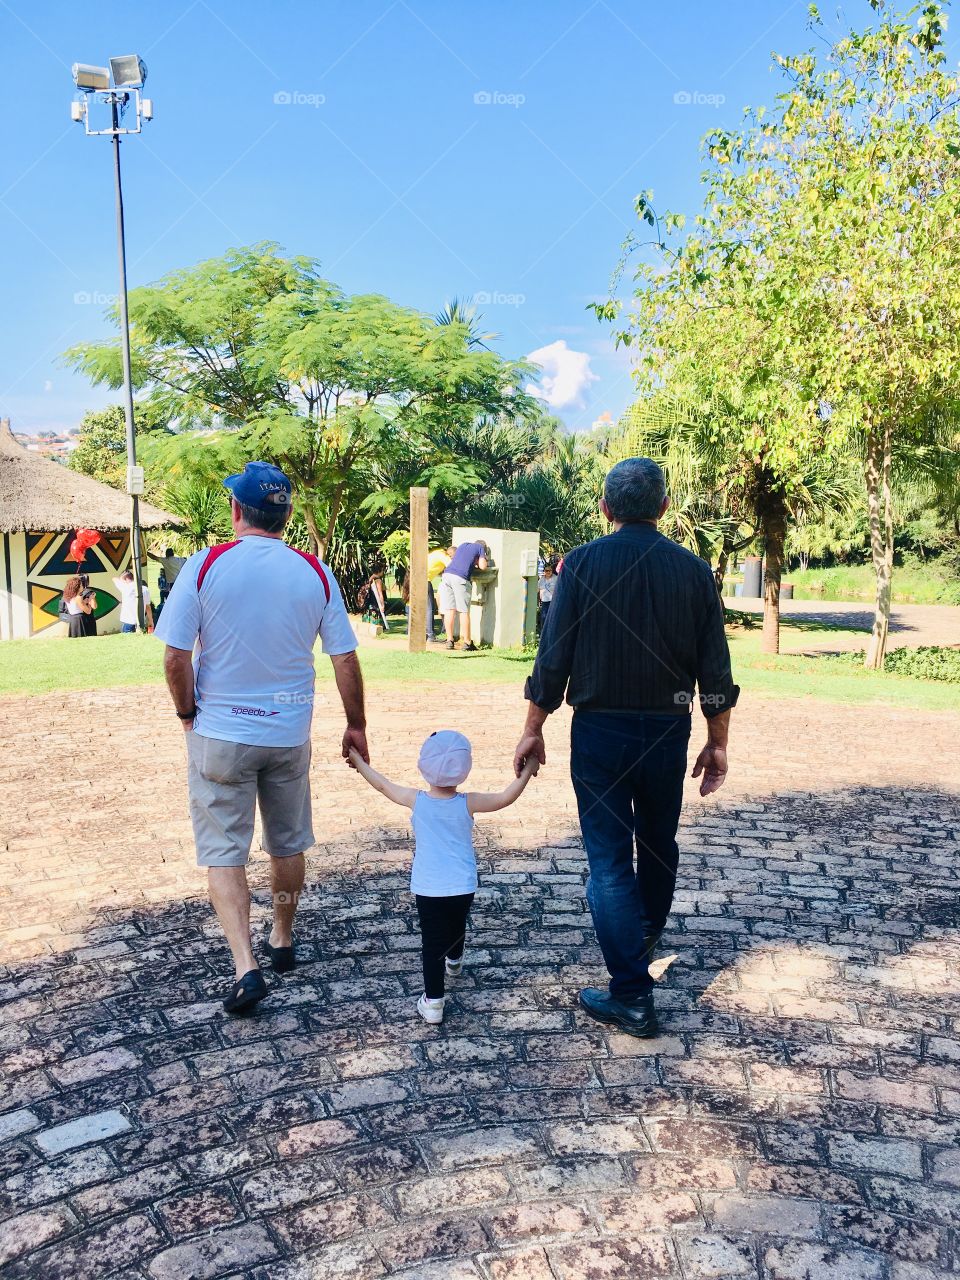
444,875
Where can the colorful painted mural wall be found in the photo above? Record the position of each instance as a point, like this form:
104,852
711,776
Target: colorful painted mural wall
34,570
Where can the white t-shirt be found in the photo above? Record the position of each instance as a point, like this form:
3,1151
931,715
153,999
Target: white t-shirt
128,600
252,624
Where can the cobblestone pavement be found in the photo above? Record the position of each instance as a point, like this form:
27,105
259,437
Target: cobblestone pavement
911,625
798,1117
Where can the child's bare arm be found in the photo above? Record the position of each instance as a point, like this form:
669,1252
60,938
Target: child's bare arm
491,801
399,795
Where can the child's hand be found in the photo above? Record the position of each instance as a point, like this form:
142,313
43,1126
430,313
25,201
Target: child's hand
531,767
354,757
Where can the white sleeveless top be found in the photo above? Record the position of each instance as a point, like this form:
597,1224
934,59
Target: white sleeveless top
444,863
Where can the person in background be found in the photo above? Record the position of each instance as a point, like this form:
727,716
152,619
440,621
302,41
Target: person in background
437,562
78,607
129,619
444,875
545,590
455,590
171,566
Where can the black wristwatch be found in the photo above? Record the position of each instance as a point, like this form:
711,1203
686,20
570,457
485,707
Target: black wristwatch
187,715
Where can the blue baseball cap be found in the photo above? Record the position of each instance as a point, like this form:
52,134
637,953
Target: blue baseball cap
260,485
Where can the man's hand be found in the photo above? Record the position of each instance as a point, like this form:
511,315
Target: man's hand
355,740
712,763
531,747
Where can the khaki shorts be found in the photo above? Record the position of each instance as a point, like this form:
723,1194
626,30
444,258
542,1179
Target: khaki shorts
226,782
454,594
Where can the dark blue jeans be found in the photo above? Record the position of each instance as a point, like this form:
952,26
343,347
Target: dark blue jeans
628,775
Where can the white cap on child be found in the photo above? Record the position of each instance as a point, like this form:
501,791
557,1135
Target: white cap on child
445,758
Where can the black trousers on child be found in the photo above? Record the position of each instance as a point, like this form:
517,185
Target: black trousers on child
443,927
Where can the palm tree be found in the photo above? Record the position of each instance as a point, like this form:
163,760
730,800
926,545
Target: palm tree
465,313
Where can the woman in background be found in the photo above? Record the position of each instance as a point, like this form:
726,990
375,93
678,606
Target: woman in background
78,607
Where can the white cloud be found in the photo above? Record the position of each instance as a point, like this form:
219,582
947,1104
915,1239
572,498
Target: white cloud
564,377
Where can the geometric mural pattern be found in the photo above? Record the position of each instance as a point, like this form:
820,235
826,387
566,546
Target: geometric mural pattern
48,568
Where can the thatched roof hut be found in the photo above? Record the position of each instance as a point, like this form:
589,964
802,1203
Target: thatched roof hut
42,504
38,493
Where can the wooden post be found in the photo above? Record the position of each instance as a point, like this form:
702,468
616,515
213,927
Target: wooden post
419,543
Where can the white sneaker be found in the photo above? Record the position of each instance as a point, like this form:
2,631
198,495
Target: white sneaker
431,1010
454,967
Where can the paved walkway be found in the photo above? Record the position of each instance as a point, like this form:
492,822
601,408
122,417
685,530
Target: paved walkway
910,624
798,1118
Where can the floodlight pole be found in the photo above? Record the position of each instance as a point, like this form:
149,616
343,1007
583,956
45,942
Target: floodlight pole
127,372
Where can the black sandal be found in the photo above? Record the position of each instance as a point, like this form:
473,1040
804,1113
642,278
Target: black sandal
246,993
281,958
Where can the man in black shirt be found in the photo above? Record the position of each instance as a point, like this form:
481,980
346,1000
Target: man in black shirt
636,626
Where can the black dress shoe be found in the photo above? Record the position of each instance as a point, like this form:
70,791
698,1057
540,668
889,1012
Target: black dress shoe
636,1017
281,958
246,994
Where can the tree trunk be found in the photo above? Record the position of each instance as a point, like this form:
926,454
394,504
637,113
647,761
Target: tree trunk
774,529
721,570
318,545
880,510
335,503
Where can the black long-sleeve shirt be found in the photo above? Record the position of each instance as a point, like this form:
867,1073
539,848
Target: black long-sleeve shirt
636,624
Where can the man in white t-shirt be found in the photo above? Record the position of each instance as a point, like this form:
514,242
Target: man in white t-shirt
127,590
240,625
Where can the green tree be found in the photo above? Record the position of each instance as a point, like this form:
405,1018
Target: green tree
101,450
820,288
325,384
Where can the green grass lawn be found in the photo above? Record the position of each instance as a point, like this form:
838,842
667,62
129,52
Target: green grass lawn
44,666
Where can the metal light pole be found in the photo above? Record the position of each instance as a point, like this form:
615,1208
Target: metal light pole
128,75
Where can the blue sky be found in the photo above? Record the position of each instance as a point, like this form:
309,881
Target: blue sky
418,148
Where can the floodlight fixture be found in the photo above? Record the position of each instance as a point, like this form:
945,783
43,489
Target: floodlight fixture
146,108
77,110
90,79
129,71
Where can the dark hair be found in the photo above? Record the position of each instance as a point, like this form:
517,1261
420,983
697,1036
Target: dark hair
269,521
71,587
169,551
634,490
127,575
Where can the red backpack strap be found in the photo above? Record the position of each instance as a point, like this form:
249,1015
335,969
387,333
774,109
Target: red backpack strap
210,559
317,566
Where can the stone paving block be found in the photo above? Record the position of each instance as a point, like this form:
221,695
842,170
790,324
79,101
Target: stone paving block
527,1264
103,1250
30,1231
241,1246
515,1223
484,1146
86,1129
429,1239
335,1219
63,1176
423,1196
647,1211
617,1259
14,1123
878,1155
596,1137
715,1257
767,1215
200,1210
130,1192
802,1261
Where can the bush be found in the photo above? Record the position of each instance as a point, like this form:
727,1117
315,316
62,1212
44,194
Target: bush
929,662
